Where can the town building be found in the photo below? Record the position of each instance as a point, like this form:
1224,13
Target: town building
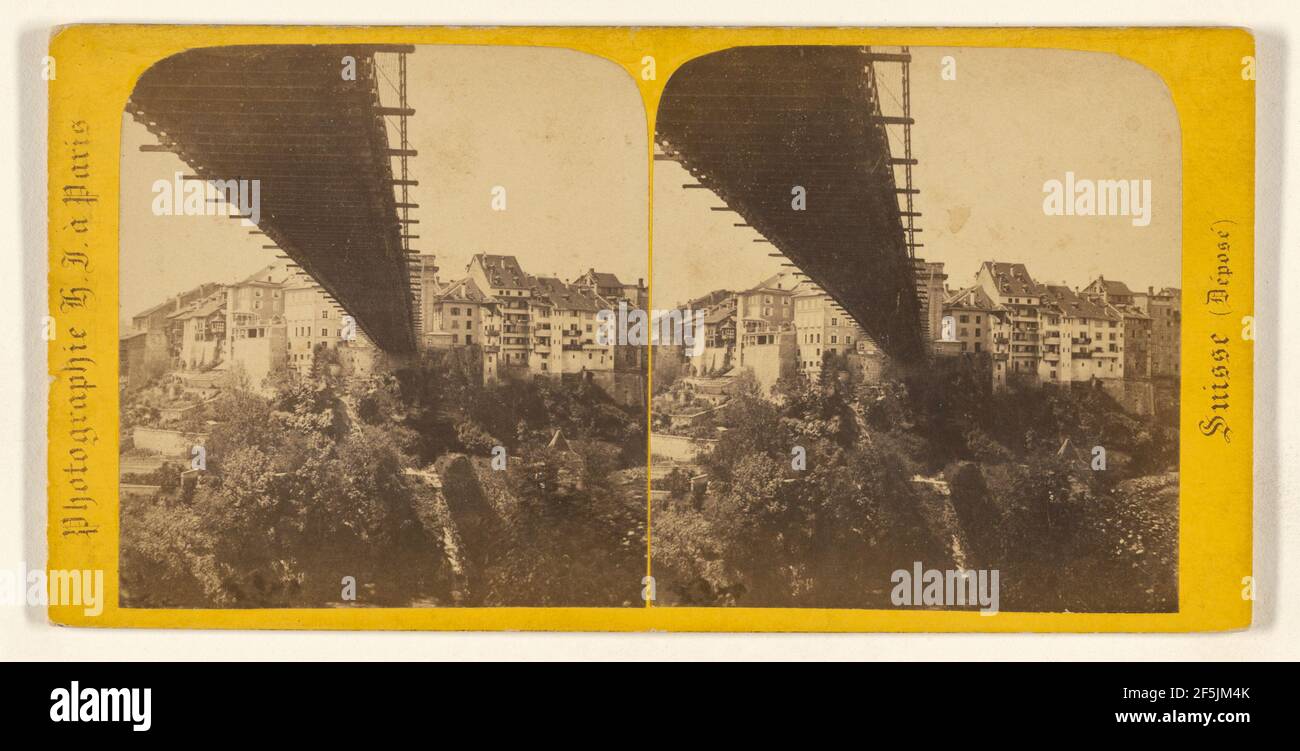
1137,341
609,287
630,360
255,303
821,327
1109,291
256,351
764,318
158,350
572,343
312,321
461,314
930,292
198,333
132,373
1165,308
770,353
1010,286
1091,338
429,286
501,277
1132,308
979,326
719,338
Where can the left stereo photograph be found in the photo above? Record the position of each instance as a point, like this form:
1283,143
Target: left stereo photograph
363,313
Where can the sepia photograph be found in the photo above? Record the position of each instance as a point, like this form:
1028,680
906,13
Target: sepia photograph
361,361
936,364
933,334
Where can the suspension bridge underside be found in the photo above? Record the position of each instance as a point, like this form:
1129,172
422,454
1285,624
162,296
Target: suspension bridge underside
752,123
292,118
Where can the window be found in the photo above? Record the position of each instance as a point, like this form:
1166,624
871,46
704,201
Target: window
324,332
324,314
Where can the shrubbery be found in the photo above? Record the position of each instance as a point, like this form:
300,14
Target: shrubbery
1022,494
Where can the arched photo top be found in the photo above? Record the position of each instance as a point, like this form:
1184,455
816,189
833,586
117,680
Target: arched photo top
508,150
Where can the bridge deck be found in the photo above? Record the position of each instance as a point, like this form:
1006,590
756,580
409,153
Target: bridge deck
751,123
318,144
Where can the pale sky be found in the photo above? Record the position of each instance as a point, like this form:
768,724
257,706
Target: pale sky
986,143
563,132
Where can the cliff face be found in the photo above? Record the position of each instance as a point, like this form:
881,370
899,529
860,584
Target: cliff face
455,509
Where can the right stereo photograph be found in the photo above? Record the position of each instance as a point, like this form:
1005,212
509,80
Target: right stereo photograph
930,350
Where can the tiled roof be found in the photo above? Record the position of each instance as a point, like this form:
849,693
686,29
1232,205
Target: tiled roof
567,296
463,290
205,308
160,306
1130,311
272,274
1013,278
711,299
972,297
719,314
603,279
762,289
502,271
1115,288
1072,305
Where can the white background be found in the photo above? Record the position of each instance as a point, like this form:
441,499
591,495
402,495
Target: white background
25,635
